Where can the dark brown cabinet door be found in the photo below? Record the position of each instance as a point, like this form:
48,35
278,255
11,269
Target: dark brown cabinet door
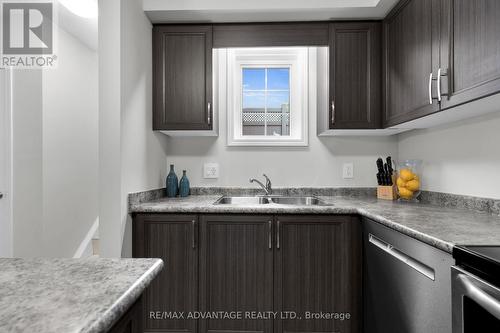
355,75
173,238
470,53
411,47
182,77
236,266
318,269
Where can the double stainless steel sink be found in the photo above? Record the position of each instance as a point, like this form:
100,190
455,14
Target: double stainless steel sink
263,200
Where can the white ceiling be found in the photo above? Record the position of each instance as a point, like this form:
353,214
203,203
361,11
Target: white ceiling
78,23
161,11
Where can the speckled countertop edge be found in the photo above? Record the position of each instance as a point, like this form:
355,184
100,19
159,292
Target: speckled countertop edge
106,321
441,227
423,237
54,295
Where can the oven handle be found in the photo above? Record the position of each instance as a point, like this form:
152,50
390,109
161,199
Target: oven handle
481,297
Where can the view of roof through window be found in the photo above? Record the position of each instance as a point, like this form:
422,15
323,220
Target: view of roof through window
266,101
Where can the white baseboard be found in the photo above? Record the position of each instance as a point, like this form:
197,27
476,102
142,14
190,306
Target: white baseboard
85,249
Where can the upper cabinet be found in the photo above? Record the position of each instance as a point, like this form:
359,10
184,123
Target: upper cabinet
413,70
182,77
355,75
470,50
410,60
440,54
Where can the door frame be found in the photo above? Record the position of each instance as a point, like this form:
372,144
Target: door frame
6,227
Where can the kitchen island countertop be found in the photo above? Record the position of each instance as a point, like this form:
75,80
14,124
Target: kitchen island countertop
45,295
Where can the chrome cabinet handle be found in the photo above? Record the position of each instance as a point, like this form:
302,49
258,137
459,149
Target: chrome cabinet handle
270,234
430,88
278,234
193,225
209,106
333,112
439,85
403,257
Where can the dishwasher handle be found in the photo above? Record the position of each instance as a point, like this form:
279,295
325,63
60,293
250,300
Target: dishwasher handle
403,257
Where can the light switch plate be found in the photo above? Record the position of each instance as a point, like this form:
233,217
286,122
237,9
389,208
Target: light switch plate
348,170
211,170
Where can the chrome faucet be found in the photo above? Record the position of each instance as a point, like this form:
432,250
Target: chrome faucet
267,188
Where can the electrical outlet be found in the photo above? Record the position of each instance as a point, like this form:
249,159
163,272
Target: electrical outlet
348,171
211,170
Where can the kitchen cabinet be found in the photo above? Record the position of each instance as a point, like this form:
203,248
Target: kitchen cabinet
182,77
236,265
131,321
253,263
411,56
270,34
355,75
318,269
438,55
406,284
173,238
470,50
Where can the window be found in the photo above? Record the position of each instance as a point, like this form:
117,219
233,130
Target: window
266,101
267,96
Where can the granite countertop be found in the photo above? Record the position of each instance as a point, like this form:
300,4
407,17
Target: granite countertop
438,226
70,295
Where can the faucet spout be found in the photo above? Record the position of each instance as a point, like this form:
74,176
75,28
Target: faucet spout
267,188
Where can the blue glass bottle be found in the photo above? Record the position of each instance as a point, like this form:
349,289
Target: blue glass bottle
184,185
172,183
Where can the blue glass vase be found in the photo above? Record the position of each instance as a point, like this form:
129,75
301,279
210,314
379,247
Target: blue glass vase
172,183
184,185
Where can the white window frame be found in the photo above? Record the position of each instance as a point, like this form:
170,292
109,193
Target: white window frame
295,58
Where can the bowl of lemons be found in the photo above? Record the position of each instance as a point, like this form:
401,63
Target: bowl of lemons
408,180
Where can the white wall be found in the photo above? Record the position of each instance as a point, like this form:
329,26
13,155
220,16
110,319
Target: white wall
459,158
109,128
55,174
132,156
27,115
6,232
319,165
70,147
143,151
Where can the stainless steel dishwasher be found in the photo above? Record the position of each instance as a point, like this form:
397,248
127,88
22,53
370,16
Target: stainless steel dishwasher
407,284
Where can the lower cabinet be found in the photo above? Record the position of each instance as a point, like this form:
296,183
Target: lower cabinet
254,265
236,269
173,238
407,284
318,270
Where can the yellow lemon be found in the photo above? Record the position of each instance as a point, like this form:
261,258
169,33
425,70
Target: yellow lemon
413,185
406,174
405,193
400,182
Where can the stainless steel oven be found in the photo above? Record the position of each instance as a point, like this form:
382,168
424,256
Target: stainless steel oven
475,302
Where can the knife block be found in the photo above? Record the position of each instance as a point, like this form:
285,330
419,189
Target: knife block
388,192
